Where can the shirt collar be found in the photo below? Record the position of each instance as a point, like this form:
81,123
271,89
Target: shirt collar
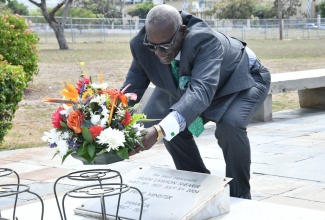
178,57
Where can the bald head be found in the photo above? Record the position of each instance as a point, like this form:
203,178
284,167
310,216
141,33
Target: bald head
162,15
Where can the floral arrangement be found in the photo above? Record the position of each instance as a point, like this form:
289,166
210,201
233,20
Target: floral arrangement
94,120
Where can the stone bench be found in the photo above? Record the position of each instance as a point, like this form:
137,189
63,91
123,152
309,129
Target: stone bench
310,85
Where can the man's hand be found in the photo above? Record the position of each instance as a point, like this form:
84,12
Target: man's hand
148,141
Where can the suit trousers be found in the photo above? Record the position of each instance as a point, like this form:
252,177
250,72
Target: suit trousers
231,135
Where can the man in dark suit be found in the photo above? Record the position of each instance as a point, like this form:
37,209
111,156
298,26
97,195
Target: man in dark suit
219,79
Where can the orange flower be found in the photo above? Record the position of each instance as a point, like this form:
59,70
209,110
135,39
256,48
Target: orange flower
115,95
70,92
74,121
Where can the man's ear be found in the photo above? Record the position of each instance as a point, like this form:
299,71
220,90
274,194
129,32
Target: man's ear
183,31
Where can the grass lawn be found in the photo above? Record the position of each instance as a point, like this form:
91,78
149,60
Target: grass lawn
113,59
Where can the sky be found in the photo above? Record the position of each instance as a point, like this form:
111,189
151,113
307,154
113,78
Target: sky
49,3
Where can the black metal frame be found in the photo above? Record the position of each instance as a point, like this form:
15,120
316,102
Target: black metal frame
15,189
100,190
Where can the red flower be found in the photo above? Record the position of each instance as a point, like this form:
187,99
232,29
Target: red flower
127,119
81,82
95,131
57,118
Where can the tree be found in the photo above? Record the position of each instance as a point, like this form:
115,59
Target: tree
289,7
57,26
141,9
263,11
235,9
321,8
3,7
102,8
78,13
17,8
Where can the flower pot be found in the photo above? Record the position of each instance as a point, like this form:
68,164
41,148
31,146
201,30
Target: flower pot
106,158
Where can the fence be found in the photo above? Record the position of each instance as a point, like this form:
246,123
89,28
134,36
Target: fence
101,30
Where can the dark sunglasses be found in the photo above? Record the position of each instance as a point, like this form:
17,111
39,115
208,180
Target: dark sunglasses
154,47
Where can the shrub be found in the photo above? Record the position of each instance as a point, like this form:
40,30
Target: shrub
18,44
18,65
12,85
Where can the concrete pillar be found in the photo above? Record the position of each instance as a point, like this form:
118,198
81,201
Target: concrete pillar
312,98
264,113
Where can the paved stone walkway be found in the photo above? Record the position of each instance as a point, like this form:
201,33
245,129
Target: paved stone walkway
288,162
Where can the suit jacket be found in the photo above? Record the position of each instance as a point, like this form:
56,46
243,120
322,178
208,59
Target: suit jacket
217,66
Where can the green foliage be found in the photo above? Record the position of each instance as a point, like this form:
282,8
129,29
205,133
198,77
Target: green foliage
141,10
289,7
18,44
77,12
235,9
17,8
3,8
18,64
264,11
36,12
321,8
106,9
12,85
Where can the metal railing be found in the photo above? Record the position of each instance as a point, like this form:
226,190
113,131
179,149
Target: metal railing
101,30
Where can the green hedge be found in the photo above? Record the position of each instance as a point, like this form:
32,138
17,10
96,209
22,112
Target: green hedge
18,44
18,64
12,85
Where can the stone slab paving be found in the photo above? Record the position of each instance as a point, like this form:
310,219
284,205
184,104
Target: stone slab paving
288,160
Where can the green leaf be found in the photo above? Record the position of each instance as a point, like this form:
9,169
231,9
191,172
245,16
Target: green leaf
147,120
123,153
87,157
83,149
56,153
66,155
87,135
63,124
91,150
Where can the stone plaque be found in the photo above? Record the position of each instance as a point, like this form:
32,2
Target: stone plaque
168,194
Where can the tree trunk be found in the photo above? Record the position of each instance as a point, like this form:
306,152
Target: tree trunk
58,27
61,39
280,18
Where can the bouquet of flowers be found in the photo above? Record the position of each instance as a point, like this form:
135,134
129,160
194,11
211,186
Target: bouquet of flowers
93,120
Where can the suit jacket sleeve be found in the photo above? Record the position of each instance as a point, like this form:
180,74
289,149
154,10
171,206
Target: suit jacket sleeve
137,78
201,59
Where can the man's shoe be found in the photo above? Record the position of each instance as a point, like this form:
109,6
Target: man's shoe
246,196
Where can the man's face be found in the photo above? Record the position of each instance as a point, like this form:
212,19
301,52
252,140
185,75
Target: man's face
164,41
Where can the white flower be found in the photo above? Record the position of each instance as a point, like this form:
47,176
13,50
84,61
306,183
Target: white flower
100,99
64,135
99,86
101,118
139,128
52,136
112,137
105,114
63,147
67,110
95,119
59,138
